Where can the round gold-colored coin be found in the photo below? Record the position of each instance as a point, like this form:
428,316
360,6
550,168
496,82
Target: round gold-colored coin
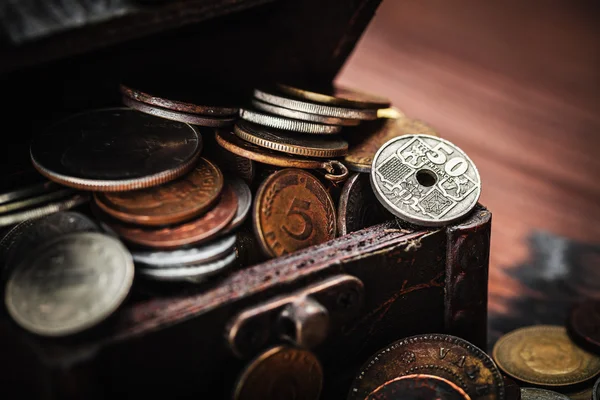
281,373
289,113
544,355
287,142
288,124
292,211
360,156
337,95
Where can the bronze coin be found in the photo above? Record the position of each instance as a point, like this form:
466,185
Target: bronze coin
336,95
418,387
175,98
115,149
292,211
188,233
194,119
446,356
511,389
584,324
289,113
173,202
544,355
360,156
291,143
281,373
358,207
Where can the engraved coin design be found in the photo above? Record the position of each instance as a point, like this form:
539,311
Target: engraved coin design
188,233
281,373
425,180
52,207
244,197
544,355
272,97
170,203
194,273
596,390
541,394
69,284
337,95
194,119
288,124
446,356
189,256
377,133
115,149
286,112
511,389
584,324
291,143
358,207
417,387
292,211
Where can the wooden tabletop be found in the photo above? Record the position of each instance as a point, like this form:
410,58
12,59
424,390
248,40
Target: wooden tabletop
517,86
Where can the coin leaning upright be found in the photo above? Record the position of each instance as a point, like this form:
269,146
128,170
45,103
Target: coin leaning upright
69,284
425,180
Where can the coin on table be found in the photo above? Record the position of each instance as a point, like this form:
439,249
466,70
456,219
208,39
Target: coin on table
244,198
173,202
425,180
288,124
272,97
289,113
336,95
194,119
66,203
335,170
446,356
192,232
281,373
115,149
541,394
584,324
417,387
69,284
293,210
358,207
511,389
376,134
544,355
214,250
291,143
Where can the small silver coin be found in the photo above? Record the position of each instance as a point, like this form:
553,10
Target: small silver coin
46,209
69,284
35,200
313,108
288,124
244,196
596,390
425,180
193,273
192,256
289,113
358,207
541,394
27,191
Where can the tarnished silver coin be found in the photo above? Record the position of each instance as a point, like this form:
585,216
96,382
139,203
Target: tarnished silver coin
192,273
190,256
288,124
541,394
63,204
425,180
358,207
27,191
29,202
289,113
244,196
69,284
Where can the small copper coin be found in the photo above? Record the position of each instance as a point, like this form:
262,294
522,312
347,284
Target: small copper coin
115,149
544,355
287,142
281,373
192,232
446,356
418,387
512,390
584,324
289,113
360,157
358,207
292,211
173,202
337,95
